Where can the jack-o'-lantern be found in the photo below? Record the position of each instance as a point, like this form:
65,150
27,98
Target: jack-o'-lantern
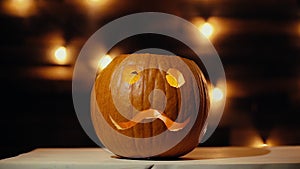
150,106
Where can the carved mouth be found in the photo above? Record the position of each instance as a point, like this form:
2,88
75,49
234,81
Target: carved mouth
150,114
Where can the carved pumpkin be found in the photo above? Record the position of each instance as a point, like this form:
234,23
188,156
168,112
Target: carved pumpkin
147,105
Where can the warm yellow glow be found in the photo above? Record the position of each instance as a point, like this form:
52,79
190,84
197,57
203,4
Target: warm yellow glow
172,81
21,8
131,74
258,142
104,62
60,55
206,29
272,141
175,78
217,94
51,72
95,2
133,77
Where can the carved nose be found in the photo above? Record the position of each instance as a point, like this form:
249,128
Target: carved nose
158,100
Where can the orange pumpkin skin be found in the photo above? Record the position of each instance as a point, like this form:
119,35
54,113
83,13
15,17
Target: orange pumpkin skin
149,138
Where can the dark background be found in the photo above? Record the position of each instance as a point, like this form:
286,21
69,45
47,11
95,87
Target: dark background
258,42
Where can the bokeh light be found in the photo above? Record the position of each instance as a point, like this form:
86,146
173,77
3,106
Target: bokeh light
95,2
21,8
217,94
206,29
104,62
60,55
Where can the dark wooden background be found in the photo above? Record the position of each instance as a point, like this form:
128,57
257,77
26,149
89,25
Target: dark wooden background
258,42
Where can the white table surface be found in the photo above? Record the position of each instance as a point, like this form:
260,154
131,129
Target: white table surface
204,158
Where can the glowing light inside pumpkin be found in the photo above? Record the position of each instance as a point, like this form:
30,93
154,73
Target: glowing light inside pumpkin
131,74
60,55
134,77
104,62
175,78
217,94
206,29
172,81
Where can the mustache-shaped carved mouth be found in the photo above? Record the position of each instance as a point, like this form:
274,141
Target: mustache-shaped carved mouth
150,114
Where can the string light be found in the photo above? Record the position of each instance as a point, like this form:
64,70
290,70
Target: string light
60,55
95,2
104,62
206,29
217,94
22,8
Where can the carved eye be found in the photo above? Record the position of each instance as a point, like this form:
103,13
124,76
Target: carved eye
175,78
131,74
134,77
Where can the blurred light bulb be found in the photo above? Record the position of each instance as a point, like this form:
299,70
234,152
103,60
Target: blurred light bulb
60,55
22,8
96,2
104,62
217,94
207,29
